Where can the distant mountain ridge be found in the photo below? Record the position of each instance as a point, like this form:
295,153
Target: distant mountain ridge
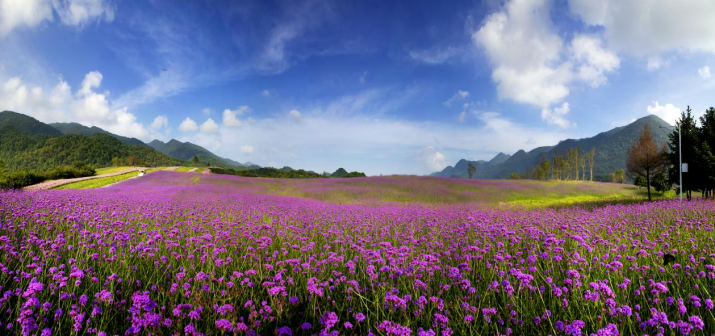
187,150
75,128
28,144
611,151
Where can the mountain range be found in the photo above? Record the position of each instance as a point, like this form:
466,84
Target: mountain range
611,151
26,143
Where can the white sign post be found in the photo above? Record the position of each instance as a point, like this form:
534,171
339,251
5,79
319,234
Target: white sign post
684,168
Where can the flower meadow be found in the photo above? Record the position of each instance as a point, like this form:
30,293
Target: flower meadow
175,254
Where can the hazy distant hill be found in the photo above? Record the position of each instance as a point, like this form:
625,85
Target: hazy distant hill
75,128
187,150
26,143
611,151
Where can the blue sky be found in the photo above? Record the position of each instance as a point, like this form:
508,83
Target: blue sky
377,86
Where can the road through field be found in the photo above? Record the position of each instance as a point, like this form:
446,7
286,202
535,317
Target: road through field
56,183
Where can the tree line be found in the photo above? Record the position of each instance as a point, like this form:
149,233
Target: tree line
658,167
573,164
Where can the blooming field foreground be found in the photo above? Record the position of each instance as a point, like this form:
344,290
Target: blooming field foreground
176,253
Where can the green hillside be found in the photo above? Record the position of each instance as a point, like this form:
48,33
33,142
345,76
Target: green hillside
611,150
26,124
27,144
186,151
75,128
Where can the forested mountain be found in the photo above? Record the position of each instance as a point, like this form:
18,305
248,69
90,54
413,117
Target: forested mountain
26,124
27,144
187,150
611,150
75,128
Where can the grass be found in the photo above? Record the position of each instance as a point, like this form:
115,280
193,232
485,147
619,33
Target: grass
184,169
102,181
109,170
430,190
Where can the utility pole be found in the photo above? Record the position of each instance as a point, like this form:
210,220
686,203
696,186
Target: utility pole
680,158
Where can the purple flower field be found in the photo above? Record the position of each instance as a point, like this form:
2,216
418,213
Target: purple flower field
175,254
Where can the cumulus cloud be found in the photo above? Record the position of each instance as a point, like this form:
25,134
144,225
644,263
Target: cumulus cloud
532,64
460,95
246,149
294,114
557,115
159,122
704,72
432,158
266,93
230,117
30,13
188,125
594,60
647,28
667,112
59,104
209,126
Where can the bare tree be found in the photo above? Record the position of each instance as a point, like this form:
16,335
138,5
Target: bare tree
645,158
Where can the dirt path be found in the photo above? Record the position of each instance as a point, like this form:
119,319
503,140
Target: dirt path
56,183
170,168
193,170
206,171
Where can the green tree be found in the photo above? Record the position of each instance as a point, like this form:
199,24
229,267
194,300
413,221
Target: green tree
195,160
707,151
591,158
646,158
619,176
689,135
471,169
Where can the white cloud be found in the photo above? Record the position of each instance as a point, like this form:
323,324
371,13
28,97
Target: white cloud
648,28
462,116
300,19
294,114
556,115
456,97
246,149
375,141
593,58
436,55
209,126
30,13
266,93
230,116
656,62
206,111
667,112
188,125
80,12
91,81
432,158
85,106
17,13
704,72
531,63
160,121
